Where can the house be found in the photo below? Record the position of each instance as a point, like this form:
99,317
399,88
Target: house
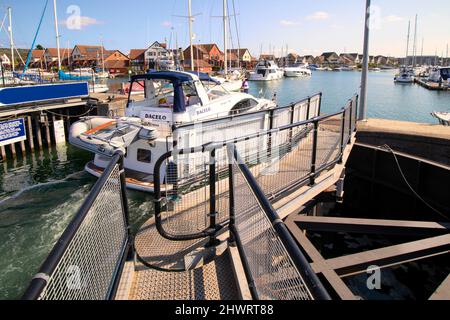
117,63
209,53
37,59
6,61
380,60
329,58
308,59
137,60
50,57
202,66
88,56
245,57
270,57
292,58
155,52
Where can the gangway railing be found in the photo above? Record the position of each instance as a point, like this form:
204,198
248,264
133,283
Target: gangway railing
86,262
274,266
194,203
238,180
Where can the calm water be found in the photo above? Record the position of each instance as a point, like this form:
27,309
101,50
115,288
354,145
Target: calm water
40,194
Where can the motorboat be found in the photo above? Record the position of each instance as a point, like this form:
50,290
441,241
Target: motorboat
172,98
404,76
299,70
439,74
443,117
266,70
98,88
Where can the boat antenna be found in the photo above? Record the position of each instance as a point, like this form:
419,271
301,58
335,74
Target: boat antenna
365,67
57,34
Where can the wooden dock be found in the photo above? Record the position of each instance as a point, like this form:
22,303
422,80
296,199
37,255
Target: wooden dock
431,85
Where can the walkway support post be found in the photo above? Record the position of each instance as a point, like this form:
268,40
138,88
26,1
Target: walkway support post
365,67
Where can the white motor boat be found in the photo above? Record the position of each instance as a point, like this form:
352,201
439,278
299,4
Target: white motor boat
404,76
172,98
266,70
443,117
98,88
297,71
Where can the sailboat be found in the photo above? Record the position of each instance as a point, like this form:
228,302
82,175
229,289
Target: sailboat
230,81
405,75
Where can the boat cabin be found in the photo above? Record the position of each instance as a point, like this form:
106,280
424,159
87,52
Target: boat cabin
172,97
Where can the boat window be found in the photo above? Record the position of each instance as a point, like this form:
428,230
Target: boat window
243,106
144,156
190,93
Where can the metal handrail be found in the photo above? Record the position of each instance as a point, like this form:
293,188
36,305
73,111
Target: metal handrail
234,117
40,281
211,147
310,278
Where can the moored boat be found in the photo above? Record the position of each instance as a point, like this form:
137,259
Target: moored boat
171,99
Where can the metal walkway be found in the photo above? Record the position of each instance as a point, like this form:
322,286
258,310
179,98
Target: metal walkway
216,234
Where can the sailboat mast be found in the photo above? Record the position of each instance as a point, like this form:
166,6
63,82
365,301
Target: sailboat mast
415,44
57,34
190,34
407,43
225,35
103,55
11,39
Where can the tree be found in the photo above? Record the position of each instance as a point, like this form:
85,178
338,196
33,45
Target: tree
39,47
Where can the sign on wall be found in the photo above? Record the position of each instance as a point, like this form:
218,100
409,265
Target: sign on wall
60,134
12,131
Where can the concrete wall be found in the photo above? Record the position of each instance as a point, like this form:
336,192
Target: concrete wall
431,142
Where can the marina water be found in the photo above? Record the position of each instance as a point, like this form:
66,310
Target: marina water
40,194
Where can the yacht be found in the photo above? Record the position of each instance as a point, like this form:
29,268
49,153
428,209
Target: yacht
172,98
266,70
439,74
298,70
404,76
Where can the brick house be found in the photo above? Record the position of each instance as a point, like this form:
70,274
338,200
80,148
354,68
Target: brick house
117,63
137,60
209,53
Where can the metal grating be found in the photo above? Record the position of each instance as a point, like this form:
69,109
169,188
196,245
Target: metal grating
274,273
88,266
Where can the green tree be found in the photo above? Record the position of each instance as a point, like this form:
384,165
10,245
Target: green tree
39,47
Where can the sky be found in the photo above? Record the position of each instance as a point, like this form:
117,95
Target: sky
304,26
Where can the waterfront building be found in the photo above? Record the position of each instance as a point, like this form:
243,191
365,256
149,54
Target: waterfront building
245,57
117,63
157,51
88,56
208,53
137,60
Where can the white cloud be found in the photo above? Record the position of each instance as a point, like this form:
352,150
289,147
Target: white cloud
393,18
80,22
289,23
166,24
319,15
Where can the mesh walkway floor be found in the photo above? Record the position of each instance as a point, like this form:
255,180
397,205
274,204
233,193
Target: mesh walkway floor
214,280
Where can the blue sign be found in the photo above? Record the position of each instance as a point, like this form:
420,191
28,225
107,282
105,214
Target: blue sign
12,131
42,93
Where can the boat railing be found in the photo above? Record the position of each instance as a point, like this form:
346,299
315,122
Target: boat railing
274,265
86,262
191,185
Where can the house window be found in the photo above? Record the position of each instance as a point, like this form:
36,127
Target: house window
144,156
